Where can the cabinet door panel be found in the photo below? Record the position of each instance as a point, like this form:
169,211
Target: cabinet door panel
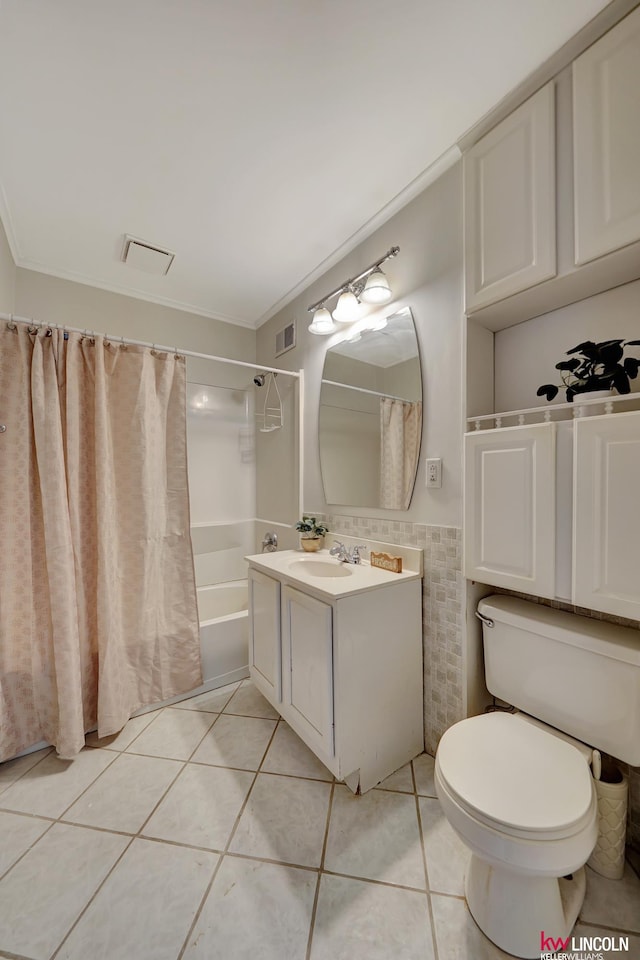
606,130
509,184
509,508
264,634
606,557
307,658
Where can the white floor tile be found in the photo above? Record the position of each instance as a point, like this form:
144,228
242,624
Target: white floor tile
145,909
125,794
45,892
423,767
255,910
201,807
356,920
447,856
12,770
614,903
173,735
212,702
457,935
236,742
401,781
289,755
247,701
375,836
17,834
120,741
284,820
51,786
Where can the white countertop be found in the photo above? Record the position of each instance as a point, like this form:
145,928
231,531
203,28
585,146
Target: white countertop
297,568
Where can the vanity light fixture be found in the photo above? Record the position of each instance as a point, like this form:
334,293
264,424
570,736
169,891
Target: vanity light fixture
370,286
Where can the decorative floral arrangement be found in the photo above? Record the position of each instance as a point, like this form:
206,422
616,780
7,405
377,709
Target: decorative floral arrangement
595,366
310,529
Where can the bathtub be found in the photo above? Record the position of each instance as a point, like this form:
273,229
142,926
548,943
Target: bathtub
224,617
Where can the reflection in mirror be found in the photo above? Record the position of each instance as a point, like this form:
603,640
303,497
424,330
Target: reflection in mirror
370,421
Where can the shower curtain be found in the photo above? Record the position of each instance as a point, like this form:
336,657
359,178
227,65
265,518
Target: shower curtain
98,612
400,433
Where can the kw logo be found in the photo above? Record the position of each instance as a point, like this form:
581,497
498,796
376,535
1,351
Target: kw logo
549,945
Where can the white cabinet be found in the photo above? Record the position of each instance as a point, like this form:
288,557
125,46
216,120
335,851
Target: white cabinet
264,634
344,672
552,510
606,129
606,550
509,508
307,667
509,203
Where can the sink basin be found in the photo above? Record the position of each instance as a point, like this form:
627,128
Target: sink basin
319,568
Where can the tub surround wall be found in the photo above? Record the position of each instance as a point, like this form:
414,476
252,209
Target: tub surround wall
442,610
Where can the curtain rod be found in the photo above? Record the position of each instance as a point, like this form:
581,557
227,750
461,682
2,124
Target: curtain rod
154,346
374,393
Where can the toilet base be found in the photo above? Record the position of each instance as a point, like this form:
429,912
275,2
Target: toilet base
512,909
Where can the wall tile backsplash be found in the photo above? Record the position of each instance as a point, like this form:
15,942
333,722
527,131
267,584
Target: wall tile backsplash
442,610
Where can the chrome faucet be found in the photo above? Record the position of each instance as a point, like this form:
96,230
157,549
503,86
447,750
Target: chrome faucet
341,553
270,542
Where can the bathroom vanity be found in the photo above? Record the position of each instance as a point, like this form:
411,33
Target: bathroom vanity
336,648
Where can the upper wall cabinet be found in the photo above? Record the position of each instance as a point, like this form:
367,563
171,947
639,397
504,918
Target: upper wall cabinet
509,202
606,131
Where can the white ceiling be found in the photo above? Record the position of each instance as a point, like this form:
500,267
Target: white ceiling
253,138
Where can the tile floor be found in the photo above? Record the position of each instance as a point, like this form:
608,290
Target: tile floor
208,831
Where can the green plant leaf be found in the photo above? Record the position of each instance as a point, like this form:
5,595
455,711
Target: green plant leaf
572,364
549,390
631,366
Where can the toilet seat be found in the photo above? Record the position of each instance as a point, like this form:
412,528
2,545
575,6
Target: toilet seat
516,778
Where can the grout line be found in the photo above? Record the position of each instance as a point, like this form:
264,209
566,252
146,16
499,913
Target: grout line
28,770
379,883
90,901
430,913
226,848
321,870
28,850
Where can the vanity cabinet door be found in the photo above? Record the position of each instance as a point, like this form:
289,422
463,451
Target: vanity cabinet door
264,635
509,508
606,519
307,669
606,132
510,205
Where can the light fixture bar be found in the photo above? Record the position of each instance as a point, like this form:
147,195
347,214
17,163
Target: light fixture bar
393,252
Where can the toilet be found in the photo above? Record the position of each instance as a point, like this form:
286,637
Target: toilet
517,786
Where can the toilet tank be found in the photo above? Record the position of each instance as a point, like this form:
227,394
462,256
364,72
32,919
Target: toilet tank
579,675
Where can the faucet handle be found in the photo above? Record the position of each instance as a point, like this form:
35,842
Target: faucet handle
338,549
270,542
355,552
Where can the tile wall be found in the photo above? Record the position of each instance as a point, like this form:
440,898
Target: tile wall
442,610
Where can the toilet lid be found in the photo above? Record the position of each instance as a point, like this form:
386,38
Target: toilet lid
514,774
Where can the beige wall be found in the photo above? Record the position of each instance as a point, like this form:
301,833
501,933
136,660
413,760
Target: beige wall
7,275
526,355
52,300
427,277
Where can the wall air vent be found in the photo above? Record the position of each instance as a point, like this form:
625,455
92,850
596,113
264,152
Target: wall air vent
143,256
286,338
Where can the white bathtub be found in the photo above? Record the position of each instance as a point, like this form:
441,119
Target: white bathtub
224,618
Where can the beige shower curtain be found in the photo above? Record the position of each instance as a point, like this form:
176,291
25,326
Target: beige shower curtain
400,434
98,611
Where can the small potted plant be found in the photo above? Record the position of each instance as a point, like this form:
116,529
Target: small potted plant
311,533
595,367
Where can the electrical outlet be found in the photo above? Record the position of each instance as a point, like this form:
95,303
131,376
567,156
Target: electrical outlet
434,472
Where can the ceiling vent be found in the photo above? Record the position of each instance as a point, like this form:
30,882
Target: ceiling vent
286,338
143,256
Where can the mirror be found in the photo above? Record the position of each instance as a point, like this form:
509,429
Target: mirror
370,421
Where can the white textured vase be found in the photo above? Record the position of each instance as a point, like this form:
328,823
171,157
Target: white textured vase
607,858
